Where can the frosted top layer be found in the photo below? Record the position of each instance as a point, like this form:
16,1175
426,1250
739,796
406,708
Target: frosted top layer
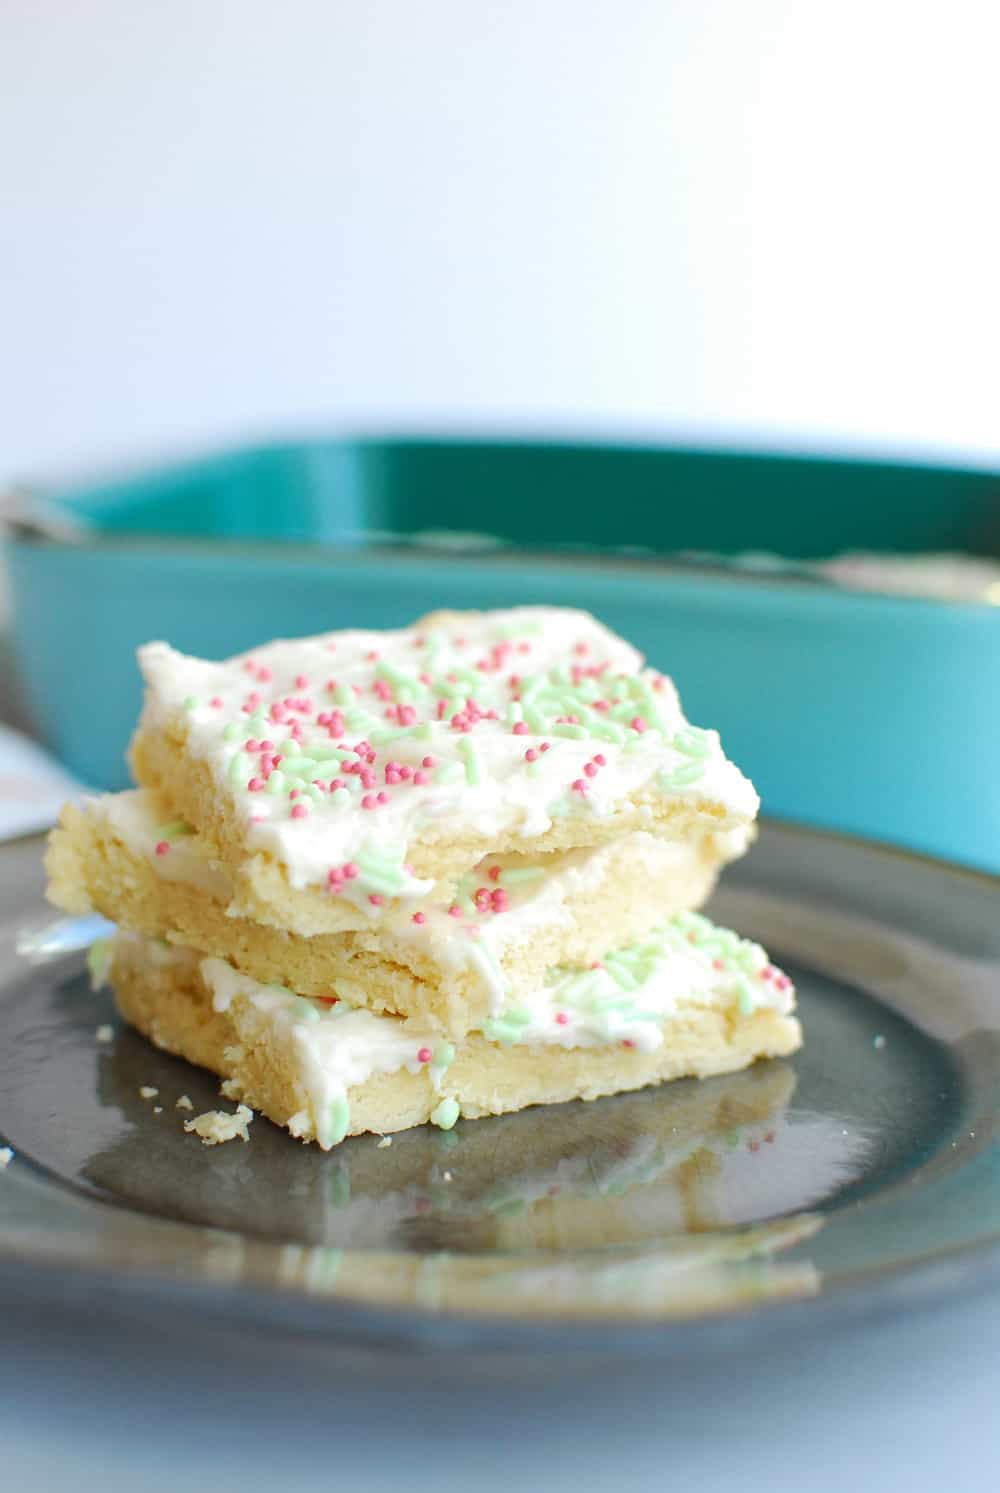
337,753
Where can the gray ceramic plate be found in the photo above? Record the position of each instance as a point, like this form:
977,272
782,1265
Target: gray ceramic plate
866,1170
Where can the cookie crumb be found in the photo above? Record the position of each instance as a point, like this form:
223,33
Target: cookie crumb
215,1127
184,1103
148,1092
447,1176
878,1041
6,1157
105,1033
157,1109
229,1089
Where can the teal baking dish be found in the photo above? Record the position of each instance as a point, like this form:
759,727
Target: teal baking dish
871,714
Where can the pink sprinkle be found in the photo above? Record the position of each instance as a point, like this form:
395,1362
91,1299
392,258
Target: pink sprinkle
162,847
561,1018
545,746
372,657
420,778
216,702
264,674
376,899
482,899
251,744
253,699
369,801
256,784
499,900
494,873
427,762
579,786
638,724
520,728
330,686
600,759
294,793
591,770
406,715
300,811
419,917
628,1042
424,1054
597,964
718,964
782,982
334,877
266,746
579,648
531,755
302,681
383,798
460,722
524,647
350,871
454,910
368,778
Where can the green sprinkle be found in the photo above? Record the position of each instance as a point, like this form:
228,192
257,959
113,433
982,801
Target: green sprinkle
99,959
607,731
175,830
448,772
517,1016
564,728
424,732
290,748
681,777
515,713
535,719
340,1118
692,742
745,998
518,875
469,756
344,695
277,782
233,731
446,1114
239,767
500,1030
382,735
341,797
304,1010
191,703
443,1056
394,675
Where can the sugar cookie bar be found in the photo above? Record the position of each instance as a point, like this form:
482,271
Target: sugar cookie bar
450,964
385,765
692,999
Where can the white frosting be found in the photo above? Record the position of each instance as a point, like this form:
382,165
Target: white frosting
529,669
629,1000
131,817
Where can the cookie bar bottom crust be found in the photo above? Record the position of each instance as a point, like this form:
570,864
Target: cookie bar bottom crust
163,995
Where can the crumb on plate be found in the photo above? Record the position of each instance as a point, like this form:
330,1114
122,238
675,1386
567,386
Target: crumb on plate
215,1127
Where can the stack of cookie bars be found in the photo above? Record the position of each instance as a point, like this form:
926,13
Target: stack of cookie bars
374,879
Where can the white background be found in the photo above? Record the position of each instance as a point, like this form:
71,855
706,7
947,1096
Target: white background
747,220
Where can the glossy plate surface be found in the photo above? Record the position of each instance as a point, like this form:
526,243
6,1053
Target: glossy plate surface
865,1169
